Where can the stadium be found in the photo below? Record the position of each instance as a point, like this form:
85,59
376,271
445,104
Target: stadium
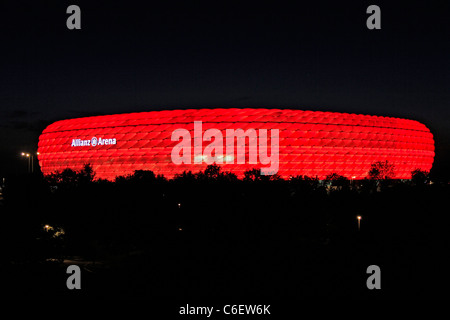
312,143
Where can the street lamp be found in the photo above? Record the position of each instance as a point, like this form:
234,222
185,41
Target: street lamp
30,157
27,155
359,222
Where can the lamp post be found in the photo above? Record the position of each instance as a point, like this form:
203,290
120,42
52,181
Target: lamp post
30,158
359,222
27,155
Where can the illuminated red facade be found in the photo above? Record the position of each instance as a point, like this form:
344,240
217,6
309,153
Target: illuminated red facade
311,143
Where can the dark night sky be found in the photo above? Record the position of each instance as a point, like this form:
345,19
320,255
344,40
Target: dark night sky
129,57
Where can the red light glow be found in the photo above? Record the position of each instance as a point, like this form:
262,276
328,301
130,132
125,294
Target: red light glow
311,143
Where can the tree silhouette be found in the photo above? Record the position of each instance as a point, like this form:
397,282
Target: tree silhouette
419,177
212,171
336,180
143,175
87,174
381,170
69,178
255,175
252,175
186,176
305,182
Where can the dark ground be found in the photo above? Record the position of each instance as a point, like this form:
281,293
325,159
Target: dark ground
238,239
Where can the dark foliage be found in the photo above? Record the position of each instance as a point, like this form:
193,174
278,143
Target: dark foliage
210,234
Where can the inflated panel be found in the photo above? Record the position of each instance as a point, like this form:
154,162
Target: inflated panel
311,143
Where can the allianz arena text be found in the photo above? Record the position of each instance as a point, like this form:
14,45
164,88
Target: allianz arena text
283,141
